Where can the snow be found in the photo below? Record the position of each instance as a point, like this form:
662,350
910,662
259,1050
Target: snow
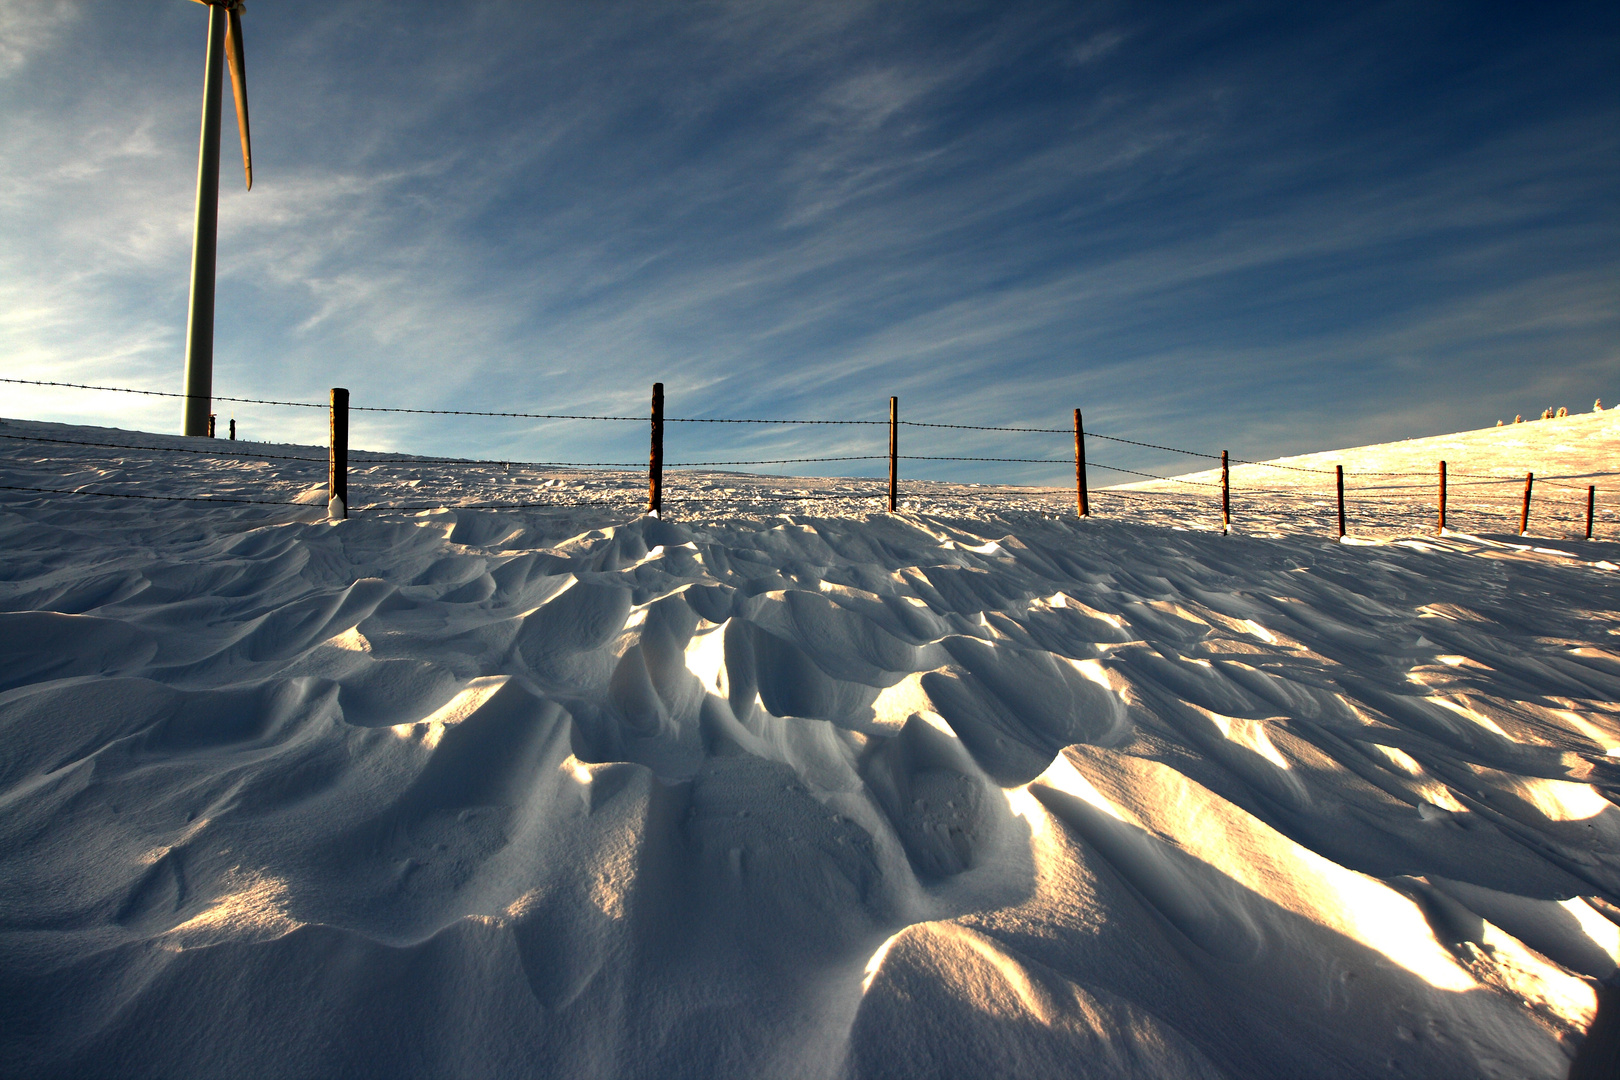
783,786
1393,486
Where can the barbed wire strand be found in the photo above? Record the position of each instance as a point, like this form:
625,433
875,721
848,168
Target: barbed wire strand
1480,479
480,412
163,449
735,420
779,423
260,455
1553,481
986,427
1462,478
166,393
427,412
773,461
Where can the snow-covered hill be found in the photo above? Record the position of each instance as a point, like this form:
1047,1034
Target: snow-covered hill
1395,484
783,787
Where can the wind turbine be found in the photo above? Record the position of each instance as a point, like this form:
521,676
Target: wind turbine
224,44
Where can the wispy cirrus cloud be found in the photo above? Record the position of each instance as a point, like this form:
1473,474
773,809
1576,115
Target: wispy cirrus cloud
1284,225
28,28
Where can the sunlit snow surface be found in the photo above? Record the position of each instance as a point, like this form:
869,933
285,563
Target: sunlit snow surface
791,788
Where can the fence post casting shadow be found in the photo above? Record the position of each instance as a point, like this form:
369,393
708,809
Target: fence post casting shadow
655,457
1442,527
1524,514
1339,469
1080,464
894,445
337,472
1226,495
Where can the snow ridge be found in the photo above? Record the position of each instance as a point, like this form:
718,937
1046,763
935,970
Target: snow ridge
572,792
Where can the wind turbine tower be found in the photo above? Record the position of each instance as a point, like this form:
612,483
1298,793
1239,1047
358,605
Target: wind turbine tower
224,47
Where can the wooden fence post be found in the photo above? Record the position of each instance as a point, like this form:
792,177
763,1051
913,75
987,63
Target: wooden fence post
1591,498
1524,514
211,419
1339,469
894,451
1080,465
233,429
337,473
1226,495
655,457
1442,527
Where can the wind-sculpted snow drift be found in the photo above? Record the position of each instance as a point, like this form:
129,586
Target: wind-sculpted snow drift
528,794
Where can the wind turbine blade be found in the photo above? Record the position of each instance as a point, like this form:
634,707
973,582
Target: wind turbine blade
233,54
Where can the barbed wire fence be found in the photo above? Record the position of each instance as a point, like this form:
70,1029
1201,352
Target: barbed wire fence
1478,502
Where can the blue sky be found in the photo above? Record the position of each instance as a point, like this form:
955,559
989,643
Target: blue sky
1266,227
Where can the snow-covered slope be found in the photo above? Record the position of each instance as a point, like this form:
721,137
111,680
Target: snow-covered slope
976,790
1393,486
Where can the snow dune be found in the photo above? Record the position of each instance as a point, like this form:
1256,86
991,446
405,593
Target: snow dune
975,790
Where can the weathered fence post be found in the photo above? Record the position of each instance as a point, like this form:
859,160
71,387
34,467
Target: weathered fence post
1524,514
211,419
233,429
337,473
894,451
1339,469
655,457
1080,465
1591,499
1226,495
1442,527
